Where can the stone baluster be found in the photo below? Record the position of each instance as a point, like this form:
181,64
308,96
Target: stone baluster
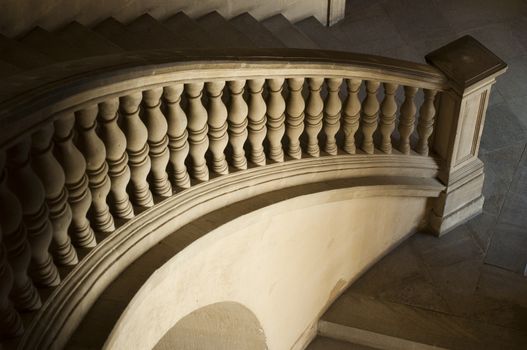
10,322
314,115
295,116
197,129
387,119
370,112
53,179
137,148
94,152
79,196
351,115
332,110
217,120
26,185
23,293
275,119
177,135
116,157
157,127
425,124
407,119
257,120
237,118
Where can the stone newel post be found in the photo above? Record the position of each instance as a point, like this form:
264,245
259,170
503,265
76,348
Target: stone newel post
471,69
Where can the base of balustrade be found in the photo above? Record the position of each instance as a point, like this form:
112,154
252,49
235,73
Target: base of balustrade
461,200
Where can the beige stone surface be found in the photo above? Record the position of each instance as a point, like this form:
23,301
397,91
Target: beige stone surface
18,16
286,263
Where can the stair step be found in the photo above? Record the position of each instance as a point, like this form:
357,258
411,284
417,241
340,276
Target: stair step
117,33
320,34
147,27
287,33
7,69
86,40
17,54
386,325
184,25
221,30
323,343
48,44
260,35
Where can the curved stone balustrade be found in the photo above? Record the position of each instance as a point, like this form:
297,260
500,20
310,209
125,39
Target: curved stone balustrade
117,154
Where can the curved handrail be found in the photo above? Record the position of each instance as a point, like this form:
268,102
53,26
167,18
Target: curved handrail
29,99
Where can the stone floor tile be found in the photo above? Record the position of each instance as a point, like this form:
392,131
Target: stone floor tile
465,14
513,84
518,106
371,32
502,129
417,21
499,38
481,229
454,247
400,263
460,278
508,248
503,285
500,167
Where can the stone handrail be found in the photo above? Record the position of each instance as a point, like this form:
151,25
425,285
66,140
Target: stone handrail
87,146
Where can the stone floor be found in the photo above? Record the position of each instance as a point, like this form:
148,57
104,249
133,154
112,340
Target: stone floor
476,271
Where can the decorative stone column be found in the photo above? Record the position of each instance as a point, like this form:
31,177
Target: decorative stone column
471,69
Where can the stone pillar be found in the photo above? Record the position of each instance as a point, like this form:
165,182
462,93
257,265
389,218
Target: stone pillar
471,69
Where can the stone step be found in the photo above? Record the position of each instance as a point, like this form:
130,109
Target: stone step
19,55
222,31
323,343
386,325
7,69
320,34
147,27
184,25
86,41
119,34
260,35
48,44
287,33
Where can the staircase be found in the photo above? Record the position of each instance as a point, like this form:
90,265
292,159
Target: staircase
40,48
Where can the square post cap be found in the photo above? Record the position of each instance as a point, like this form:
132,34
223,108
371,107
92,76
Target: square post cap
466,62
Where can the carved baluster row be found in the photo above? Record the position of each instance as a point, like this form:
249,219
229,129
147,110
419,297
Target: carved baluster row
314,115
23,293
257,120
332,111
94,151
217,120
407,119
387,118
238,111
351,115
197,130
53,179
177,135
10,322
275,119
26,185
157,127
295,116
79,195
426,121
116,157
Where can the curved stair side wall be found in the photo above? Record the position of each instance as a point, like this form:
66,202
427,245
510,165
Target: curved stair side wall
286,263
